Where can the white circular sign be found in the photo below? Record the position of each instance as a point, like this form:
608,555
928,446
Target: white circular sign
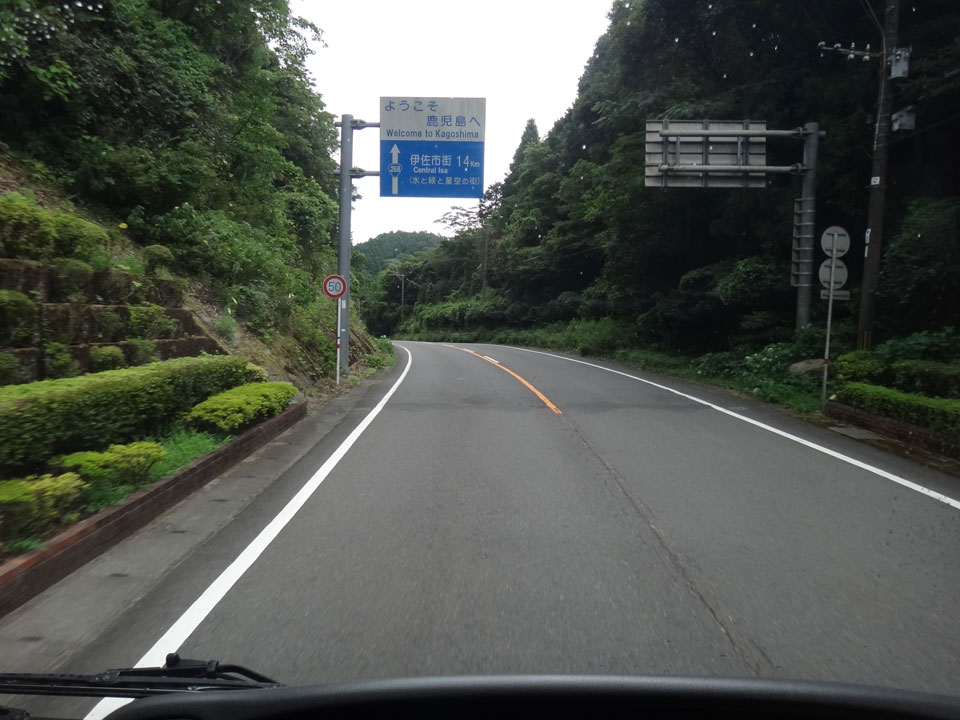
839,273
835,241
334,286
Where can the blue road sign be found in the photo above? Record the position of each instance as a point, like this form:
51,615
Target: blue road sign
431,147
431,169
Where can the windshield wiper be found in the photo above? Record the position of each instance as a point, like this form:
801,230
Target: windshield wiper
176,676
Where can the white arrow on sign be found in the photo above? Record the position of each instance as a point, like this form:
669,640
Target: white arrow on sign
395,179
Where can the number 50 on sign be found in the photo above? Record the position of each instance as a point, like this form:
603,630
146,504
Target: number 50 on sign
334,286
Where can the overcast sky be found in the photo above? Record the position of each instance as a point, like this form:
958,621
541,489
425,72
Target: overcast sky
524,56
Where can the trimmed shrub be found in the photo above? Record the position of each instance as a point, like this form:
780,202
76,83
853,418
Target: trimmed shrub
142,352
255,374
26,230
117,465
42,419
862,366
937,414
241,407
106,358
34,506
9,369
58,362
925,377
72,279
75,237
156,257
18,316
150,321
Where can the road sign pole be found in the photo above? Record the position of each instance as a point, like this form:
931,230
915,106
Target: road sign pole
811,144
826,346
343,254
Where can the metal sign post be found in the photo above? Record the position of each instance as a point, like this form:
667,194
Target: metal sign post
335,286
835,242
733,154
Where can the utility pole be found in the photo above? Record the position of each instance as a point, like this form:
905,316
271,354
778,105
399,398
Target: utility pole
483,285
403,297
347,172
344,248
873,239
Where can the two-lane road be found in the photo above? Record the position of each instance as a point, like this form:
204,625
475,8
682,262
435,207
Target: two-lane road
505,511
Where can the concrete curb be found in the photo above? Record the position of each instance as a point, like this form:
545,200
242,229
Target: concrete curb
24,577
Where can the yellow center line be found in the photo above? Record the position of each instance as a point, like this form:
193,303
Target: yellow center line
543,398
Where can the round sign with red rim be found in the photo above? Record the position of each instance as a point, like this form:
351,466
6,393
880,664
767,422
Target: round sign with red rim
334,286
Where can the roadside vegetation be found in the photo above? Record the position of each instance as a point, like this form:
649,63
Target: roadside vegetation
74,446
166,185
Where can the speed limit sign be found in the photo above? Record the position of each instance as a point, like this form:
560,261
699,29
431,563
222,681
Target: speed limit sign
334,286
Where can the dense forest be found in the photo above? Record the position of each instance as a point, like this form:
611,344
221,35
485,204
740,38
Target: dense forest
571,249
195,124
376,253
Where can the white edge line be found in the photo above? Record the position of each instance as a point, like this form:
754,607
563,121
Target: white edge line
769,428
178,633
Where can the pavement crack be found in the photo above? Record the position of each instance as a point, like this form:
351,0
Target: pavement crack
755,660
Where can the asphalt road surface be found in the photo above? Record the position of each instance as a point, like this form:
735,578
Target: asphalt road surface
515,512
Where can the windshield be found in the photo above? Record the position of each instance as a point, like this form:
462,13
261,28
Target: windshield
625,344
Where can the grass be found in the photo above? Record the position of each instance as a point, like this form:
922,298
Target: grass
183,447
226,326
101,498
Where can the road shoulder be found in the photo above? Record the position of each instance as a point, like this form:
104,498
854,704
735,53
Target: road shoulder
44,634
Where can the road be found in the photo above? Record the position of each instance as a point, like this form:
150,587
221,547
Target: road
505,511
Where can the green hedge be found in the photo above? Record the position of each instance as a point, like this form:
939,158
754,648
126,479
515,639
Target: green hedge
862,366
242,406
938,414
42,419
117,465
34,506
926,377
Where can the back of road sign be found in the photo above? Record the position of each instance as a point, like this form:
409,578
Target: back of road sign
431,147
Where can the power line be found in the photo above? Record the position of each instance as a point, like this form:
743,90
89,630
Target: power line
816,29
